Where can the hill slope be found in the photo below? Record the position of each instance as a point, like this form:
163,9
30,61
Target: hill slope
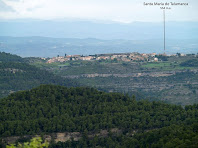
16,75
49,108
7,57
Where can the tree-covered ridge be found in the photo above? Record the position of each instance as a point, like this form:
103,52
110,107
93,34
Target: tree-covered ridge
7,57
50,108
16,76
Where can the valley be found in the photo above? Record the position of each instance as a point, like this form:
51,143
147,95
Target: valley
172,80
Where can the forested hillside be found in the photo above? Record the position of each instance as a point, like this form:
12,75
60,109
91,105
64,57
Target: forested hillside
7,57
49,108
16,75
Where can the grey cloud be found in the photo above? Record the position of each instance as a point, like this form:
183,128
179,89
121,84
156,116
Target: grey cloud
5,8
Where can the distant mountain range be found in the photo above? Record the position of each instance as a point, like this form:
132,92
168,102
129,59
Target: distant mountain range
50,47
57,37
100,30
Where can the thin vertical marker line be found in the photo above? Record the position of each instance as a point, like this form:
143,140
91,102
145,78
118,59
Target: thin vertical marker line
164,33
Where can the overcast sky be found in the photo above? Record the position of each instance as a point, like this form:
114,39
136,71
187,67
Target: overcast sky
124,11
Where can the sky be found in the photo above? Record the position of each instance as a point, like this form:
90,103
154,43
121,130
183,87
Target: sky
123,11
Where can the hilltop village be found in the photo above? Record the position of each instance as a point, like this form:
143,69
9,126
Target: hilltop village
152,57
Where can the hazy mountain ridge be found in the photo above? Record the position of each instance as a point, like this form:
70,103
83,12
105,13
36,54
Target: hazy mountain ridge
48,38
50,47
100,30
